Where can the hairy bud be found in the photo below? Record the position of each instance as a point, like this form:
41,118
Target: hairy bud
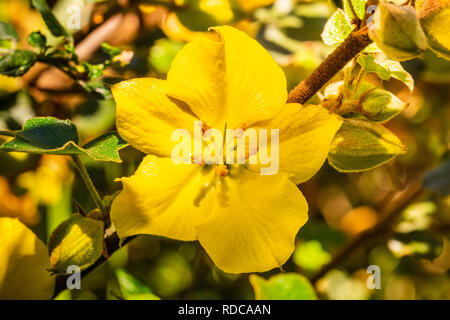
76,241
397,31
434,16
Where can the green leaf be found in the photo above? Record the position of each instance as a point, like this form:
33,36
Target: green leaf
60,137
37,39
380,105
283,286
358,5
361,145
105,147
17,63
337,28
132,288
8,32
50,20
386,69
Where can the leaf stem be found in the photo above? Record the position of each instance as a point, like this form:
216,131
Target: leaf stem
7,133
90,185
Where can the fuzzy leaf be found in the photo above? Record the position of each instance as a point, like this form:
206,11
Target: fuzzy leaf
337,28
17,63
362,145
284,286
106,147
386,69
53,136
358,5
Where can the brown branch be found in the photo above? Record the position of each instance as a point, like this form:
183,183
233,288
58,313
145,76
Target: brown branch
388,216
347,50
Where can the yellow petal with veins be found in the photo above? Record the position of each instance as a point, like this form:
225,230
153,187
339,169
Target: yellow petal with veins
146,117
23,264
231,79
253,223
305,136
163,199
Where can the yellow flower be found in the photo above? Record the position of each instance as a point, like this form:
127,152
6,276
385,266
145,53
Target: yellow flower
23,263
246,222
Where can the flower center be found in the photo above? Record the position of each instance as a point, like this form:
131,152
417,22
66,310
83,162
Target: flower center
221,170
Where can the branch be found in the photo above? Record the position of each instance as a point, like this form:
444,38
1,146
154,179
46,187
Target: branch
355,43
391,212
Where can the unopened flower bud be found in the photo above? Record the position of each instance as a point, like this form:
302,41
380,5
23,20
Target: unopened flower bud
76,241
397,31
434,16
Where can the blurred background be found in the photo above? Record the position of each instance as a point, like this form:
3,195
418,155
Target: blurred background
413,258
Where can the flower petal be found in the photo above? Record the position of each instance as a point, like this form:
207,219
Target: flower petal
162,199
23,264
146,117
231,78
253,223
305,136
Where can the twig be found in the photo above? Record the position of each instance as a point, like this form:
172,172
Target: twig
347,50
399,202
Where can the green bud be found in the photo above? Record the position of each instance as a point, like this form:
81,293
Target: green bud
434,16
396,30
76,241
37,39
381,105
110,50
361,145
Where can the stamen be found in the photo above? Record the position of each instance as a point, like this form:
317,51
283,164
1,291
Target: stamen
221,170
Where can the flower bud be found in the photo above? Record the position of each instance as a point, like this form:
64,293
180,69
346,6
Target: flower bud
381,105
434,16
397,31
76,241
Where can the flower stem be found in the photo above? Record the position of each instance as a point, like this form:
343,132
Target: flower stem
90,185
343,54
